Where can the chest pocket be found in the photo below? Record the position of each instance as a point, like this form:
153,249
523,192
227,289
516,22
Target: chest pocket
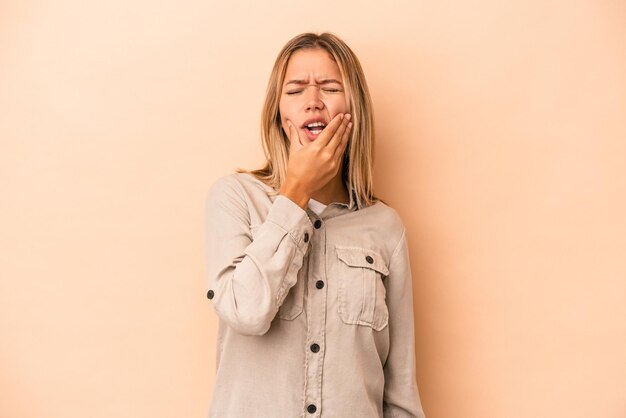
361,292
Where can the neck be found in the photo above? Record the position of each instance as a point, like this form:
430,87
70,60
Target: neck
333,191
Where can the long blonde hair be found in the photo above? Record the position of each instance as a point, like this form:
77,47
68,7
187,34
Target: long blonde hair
358,159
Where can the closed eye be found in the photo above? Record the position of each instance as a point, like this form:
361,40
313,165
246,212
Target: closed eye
292,92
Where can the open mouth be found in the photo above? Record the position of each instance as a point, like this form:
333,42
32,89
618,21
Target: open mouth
315,128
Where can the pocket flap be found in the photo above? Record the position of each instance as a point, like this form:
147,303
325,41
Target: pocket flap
362,257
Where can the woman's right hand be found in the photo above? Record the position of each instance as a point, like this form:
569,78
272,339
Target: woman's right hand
313,165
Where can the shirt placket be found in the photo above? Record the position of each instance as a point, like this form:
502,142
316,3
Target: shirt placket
316,320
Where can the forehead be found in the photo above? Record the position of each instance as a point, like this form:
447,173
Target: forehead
309,62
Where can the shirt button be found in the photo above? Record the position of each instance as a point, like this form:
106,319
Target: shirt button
311,409
317,224
306,237
369,259
210,294
319,284
315,348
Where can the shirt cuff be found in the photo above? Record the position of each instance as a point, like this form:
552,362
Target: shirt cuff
293,219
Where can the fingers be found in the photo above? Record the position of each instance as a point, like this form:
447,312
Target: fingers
337,137
342,142
330,130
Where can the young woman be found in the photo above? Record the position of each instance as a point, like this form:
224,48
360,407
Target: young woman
308,271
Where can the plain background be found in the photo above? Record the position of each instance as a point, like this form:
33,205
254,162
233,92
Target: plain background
501,141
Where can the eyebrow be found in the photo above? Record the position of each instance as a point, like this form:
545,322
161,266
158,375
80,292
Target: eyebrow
325,81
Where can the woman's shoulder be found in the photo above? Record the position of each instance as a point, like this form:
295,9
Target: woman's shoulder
237,184
376,229
386,215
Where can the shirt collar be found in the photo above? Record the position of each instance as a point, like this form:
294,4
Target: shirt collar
355,202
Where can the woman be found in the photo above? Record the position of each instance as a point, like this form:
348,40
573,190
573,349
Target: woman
309,272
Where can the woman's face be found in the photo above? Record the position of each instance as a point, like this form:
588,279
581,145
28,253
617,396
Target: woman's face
312,93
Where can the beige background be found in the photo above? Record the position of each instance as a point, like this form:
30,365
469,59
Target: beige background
501,142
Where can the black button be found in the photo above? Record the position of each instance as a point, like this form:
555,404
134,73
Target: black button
210,294
311,408
306,237
315,348
319,284
369,259
317,224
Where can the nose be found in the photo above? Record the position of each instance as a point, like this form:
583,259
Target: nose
313,98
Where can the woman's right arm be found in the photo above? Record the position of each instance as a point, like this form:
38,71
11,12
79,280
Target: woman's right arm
249,279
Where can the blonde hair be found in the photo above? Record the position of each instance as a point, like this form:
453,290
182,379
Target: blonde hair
358,159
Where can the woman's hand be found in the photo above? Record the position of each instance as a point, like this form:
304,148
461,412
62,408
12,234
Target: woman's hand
313,165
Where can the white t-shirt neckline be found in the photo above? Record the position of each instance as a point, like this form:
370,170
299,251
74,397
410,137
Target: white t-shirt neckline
316,206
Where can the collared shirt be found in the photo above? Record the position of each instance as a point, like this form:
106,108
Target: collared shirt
315,311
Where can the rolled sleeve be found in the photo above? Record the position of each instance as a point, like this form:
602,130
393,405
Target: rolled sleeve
294,220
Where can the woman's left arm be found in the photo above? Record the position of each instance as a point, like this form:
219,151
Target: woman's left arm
401,397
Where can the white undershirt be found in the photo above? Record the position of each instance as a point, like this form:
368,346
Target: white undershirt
316,206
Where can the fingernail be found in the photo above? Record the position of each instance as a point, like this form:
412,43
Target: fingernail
350,125
348,116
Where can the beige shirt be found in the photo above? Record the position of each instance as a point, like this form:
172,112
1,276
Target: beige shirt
316,311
